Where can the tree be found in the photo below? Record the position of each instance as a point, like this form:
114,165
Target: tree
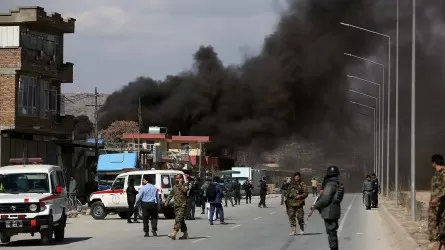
113,134
82,127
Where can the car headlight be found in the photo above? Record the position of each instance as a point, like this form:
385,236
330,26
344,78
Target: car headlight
33,207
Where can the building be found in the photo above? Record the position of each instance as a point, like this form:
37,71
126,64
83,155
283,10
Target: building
32,69
188,152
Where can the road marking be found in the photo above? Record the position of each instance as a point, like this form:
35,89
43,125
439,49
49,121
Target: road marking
342,223
272,213
198,240
235,226
89,221
257,218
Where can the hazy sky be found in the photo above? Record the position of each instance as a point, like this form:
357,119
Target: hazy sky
117,41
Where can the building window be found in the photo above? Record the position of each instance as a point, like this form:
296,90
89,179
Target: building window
53,100
27,96
44,98
184,150
35,43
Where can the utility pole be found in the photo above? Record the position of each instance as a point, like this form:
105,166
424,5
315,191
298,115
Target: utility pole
96,118
139,131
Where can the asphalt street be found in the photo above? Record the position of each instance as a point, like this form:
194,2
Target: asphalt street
249,227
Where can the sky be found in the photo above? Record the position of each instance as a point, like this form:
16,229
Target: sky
117,41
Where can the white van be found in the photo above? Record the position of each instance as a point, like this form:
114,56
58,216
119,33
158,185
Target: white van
114,200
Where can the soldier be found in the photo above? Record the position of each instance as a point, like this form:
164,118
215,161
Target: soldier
328,204
248,188
179,193
375,191
296,194
367,192
436,214
263,192
237,191
283,189
228,193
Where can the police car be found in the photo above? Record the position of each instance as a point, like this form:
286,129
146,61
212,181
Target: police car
33,200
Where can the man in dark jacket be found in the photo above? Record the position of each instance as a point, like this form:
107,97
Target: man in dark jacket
248,187
375,191
328,204
191,199
131,198
216,201
367,192
263,192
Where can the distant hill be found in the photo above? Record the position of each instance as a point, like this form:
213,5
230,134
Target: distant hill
76,103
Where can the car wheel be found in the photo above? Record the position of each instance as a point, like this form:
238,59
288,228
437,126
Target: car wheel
122,215
169,215
59,230
98,211
46,234
5,238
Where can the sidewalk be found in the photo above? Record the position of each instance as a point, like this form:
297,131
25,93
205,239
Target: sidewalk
416,231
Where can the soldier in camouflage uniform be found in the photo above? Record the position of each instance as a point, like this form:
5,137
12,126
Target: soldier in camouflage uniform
436,213
296,194
179,193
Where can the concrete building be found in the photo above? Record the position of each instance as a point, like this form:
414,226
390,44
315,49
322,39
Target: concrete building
32,69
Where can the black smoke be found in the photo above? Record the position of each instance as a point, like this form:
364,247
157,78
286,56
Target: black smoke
83,127
297,86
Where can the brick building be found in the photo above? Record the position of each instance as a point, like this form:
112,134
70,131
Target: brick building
32,69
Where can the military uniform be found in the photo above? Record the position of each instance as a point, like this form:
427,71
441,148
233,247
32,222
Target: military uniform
228,193
179,193
367,193
329,204
375,192
436,213
296,194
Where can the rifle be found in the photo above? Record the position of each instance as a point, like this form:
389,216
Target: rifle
312,208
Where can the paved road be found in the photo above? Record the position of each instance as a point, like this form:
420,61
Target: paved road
249,227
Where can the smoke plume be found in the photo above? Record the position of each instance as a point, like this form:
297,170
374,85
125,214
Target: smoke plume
297,85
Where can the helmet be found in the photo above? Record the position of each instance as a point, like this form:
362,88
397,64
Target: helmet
332,171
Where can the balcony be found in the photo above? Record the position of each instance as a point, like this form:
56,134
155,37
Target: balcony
66,72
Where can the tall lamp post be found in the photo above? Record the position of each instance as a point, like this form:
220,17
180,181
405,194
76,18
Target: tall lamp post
380,114
413,116
388,102
375,127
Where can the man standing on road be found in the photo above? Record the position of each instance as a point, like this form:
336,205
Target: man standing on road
263,192
283,189
328,204
375,191
229,193
148,195
73,188
214,197
237,191
131,199
367,192
203,195
314,184
191,199
248,187
179,193
436,211
296,194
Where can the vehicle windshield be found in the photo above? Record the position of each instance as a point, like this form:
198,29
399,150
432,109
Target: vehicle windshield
24,183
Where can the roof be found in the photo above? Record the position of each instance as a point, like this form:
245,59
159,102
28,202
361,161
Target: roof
117,162
190,138
31,168
152,172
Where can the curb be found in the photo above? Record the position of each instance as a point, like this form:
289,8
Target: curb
406,240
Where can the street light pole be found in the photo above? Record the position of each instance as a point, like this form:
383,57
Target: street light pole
396,139
379,171
383,101
375,132
413,116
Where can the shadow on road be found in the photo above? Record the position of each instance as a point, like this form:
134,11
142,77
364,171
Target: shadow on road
197,238
36,242
310,234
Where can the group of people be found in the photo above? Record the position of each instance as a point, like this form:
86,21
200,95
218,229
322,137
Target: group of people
371,190
328,202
